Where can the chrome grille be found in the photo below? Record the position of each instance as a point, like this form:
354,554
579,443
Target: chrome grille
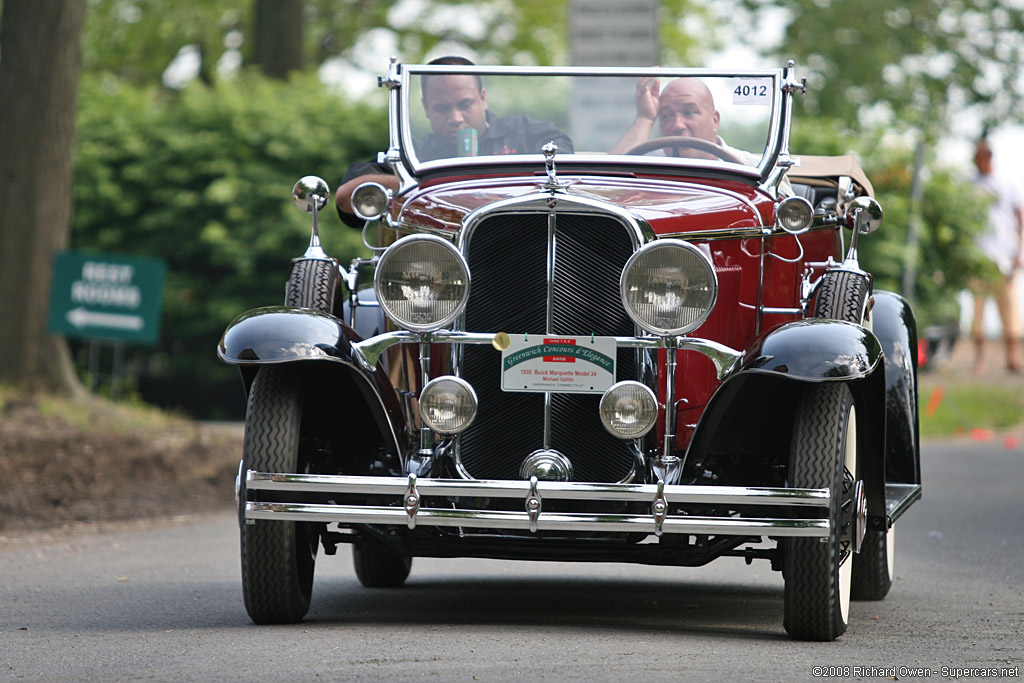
508,257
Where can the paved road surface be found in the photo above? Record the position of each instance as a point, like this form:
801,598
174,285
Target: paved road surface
164,603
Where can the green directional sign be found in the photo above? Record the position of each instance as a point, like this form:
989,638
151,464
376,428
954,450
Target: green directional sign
106,296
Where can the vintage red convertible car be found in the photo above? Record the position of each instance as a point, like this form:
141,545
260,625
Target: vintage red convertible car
636,341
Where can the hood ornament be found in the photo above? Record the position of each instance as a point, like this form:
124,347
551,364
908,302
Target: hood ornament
553,183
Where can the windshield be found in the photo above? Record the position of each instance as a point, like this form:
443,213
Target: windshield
459,116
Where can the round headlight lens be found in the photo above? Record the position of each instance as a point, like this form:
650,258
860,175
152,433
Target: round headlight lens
669,287
422,283
795,214
448,404
370,201
629,409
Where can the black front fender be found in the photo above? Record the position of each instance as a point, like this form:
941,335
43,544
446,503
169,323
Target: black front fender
815,350
281,334
751,414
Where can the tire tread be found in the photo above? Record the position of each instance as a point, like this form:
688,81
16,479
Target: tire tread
274,588
313,284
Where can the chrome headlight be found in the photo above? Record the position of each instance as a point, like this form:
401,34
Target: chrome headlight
668,287
370,201
629,409
794,215
448,404
422,283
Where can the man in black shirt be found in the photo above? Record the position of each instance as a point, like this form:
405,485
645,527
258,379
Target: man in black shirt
453,102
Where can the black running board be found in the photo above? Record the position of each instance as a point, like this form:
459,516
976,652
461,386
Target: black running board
899,498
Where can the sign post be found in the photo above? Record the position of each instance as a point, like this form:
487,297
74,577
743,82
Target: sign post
106,296
609,33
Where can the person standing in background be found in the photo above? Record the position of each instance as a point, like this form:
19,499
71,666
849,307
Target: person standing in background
1001,242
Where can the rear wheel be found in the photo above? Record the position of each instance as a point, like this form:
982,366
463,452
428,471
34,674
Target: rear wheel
874,565
818,571
844,296
377,566
313,284
278,557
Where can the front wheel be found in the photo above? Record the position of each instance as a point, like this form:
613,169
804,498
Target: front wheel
844,296
818,571
277,557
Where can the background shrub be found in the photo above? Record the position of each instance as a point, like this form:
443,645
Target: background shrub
202,178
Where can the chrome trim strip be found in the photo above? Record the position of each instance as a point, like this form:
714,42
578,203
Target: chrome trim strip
670,398
740,233
550,270
591,71
549,315
558,490
542,521
718,234
370,350
760,287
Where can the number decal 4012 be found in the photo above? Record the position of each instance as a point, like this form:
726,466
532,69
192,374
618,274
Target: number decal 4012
757,91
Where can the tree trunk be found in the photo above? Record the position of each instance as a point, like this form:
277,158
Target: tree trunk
278,36
38,88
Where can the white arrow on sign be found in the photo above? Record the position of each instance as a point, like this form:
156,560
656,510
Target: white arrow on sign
82,317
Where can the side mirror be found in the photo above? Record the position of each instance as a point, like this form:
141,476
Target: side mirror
863,215
311,193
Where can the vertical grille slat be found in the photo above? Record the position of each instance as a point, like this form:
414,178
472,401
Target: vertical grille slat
507,256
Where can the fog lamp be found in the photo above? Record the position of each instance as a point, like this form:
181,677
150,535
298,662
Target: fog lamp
448,404
629,409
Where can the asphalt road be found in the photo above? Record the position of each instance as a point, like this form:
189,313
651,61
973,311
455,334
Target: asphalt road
163,602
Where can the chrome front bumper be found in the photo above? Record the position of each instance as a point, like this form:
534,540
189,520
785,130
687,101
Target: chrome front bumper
410,492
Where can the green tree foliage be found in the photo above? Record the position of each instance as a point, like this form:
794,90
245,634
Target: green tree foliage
135,40
919,59
203,179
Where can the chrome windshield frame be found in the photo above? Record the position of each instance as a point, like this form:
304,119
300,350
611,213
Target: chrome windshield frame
401,154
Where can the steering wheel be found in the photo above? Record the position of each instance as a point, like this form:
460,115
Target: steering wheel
677,142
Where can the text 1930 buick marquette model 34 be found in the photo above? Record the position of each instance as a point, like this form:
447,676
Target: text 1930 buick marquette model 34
659,349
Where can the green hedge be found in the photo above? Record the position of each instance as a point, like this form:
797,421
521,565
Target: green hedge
202,178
